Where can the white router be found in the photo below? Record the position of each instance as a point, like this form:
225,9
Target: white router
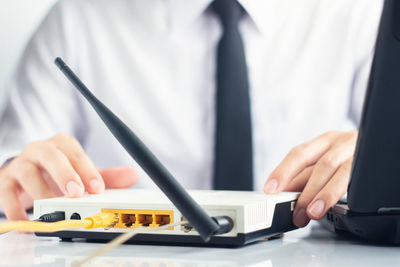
215,217
255,216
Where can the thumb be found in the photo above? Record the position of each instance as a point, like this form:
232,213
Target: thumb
120,177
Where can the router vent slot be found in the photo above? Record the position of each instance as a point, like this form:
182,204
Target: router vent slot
256,214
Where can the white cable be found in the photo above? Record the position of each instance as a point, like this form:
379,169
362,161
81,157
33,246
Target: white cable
122,239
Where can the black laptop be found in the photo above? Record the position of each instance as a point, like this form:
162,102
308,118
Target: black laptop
372,209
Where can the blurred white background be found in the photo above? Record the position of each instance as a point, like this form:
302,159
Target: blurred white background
18,20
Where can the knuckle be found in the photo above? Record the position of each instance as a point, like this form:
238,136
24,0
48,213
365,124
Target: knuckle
348,137
64,138
47,153
39,148
346,167
328,162
32,147
76,156
334,133
352,134
47,149
330,133
61,136
70,145
300,150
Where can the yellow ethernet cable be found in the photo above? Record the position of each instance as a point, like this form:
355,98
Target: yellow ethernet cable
100,220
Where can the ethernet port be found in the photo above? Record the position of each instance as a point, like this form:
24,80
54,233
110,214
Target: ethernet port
128,219
144,219
162,219
137,218
187,228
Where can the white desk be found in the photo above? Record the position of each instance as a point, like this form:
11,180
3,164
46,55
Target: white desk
312,246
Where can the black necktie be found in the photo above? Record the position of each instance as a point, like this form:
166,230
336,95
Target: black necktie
233,164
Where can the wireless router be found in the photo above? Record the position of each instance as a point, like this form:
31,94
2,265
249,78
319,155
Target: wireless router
255,215
215,217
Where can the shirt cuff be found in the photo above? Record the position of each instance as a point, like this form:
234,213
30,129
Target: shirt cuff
7,157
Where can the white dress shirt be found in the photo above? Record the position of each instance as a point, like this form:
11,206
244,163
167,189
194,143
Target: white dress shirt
153,63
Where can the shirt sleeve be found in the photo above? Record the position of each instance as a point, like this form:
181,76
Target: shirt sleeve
40,101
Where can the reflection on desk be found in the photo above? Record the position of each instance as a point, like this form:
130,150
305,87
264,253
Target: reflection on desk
312,246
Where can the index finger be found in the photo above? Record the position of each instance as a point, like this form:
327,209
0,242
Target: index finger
297,160
81,163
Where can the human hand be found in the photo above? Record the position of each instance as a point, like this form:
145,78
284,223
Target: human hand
55,167
320,169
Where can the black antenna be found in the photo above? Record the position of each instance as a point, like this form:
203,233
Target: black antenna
197,217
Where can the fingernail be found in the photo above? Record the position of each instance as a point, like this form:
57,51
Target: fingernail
74,189
317,208
271,186
300,218
96,186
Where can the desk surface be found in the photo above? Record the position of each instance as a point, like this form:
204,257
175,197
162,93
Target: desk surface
312,246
